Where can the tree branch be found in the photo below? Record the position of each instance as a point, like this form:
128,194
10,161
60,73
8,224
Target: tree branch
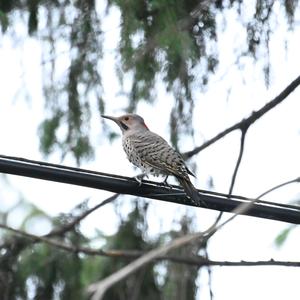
238,162
200,262
98,289
249,121
51,242
241,152
296,180
130,254
69,226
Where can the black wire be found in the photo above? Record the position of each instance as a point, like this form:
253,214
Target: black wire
153,190
42,163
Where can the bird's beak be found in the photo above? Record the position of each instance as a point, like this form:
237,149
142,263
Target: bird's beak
110,118
116,120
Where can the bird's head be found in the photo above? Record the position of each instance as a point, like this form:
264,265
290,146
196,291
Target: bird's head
128,122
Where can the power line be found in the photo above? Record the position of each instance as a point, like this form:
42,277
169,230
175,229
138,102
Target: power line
149,189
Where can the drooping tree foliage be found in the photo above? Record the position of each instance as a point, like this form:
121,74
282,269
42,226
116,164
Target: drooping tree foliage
171,41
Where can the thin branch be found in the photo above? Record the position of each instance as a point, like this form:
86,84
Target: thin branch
238,162
69,226
296,180
98,289
209,277
250,120
51,242
130,254
242,208
200,262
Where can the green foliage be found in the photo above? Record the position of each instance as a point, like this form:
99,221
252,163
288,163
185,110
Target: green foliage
3,21
70,98
180,281
47,133
283,235
169,43
131,235
8,5
48,269
33,15
43,271
172,40
290,8
159,40
47,272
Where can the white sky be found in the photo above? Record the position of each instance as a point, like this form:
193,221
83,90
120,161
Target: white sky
271,154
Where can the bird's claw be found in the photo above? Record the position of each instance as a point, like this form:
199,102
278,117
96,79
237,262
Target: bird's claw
139,178
166,184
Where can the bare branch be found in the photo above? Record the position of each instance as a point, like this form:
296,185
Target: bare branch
296,180
35,238
238,162
98,289
122,254
69,226
199,261
209,277
241,152
62,230
250,120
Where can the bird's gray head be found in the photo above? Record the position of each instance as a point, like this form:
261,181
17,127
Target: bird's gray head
128,122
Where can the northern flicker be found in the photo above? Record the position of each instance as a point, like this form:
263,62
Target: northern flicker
152,154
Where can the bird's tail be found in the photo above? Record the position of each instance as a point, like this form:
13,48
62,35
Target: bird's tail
191,191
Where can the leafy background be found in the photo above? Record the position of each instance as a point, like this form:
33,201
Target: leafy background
83,58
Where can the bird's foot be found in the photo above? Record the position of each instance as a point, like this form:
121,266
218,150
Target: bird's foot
166,184
199,202
139,178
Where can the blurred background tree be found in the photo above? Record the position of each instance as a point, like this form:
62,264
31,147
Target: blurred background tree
173,43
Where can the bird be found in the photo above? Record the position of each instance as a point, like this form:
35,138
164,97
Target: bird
152,154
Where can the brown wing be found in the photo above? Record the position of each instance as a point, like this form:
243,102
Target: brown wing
157,153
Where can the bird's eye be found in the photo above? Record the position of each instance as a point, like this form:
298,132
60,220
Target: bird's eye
126,118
